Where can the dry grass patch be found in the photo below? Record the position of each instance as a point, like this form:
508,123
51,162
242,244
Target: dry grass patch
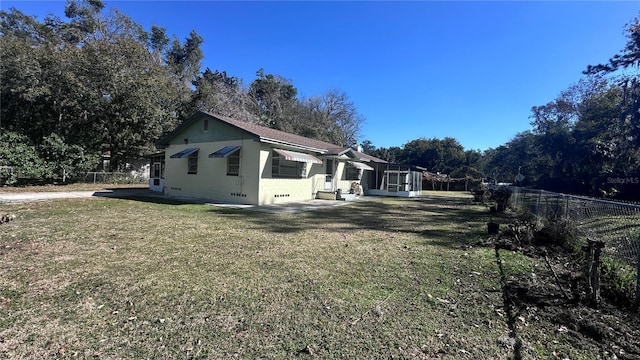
113,278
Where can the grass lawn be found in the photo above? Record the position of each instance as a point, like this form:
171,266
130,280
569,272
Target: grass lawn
114,278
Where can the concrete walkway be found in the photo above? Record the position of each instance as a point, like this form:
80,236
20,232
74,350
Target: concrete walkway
13,198
133,194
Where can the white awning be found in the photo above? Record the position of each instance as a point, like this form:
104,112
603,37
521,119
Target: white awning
299,157
360,166
225,151
184,153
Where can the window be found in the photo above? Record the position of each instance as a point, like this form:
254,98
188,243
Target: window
156,170
329,168
205,127
233,164
282,168
192,167
351,172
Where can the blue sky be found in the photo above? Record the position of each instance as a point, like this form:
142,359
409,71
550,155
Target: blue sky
469,70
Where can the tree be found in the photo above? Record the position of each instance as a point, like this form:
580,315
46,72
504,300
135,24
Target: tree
519,155
158,41
437,155
332,116
391,154
273,100
64,160
602,146
218,93
184,59
367,147
128,116
629,56
101,82
19,158
94,81
629,85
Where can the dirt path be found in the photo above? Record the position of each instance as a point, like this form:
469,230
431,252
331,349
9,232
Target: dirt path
40,196
14,198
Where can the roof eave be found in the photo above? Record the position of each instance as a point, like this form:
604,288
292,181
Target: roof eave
298,146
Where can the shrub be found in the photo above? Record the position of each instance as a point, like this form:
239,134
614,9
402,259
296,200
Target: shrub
52,160
502,196
481,193
559,231
18,153
618,280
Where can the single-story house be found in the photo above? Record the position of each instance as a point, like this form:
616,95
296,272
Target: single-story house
215,157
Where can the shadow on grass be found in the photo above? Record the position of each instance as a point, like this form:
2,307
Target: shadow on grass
445,221
508,300
441,220
145,195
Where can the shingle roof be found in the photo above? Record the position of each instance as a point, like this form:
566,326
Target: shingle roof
272,135
267,133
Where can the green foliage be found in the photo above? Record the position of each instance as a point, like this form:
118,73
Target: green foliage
52,160
99,81
96,81
65,161
434,154
18,153
446,156
619,280
588,134
273,100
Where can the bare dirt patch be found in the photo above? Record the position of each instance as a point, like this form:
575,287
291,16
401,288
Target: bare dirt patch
555,294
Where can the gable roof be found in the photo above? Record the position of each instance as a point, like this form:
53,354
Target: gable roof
272,136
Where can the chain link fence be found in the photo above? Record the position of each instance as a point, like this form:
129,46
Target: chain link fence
100,177
616,224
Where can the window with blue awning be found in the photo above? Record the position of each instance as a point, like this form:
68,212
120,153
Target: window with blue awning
184,153
225,152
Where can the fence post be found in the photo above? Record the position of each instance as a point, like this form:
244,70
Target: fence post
594,250
596,272
637,302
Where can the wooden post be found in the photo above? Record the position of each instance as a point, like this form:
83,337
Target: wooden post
594,250
596,273
589,258
637,302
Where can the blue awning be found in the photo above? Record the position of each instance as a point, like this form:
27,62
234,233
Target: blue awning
225,151
184,153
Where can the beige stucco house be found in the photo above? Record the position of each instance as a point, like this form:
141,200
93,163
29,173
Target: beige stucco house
222,159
